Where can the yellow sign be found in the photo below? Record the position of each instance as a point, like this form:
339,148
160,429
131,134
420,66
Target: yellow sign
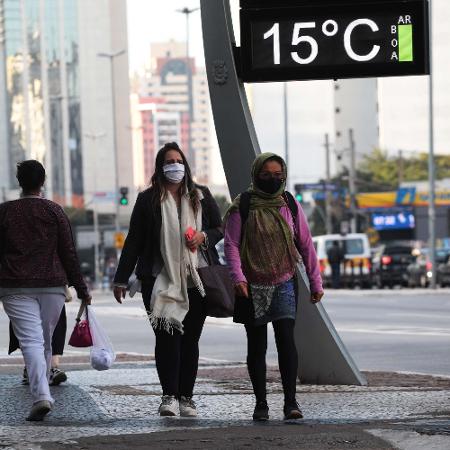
119,240
389,199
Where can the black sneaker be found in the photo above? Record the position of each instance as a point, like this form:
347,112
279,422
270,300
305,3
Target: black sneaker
57,377
25,380
261,411
292,411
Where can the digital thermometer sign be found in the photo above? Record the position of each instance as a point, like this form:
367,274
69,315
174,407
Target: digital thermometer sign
343,39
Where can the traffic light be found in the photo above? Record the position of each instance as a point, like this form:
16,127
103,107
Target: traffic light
298,192
123,196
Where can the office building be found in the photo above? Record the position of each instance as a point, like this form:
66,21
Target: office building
56,96
356,109
164,92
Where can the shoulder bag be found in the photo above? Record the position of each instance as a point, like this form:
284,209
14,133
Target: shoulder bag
218,286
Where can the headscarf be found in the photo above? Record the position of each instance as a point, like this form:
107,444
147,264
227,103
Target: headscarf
267,246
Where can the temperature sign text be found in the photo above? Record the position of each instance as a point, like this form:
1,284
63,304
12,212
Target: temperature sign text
379,39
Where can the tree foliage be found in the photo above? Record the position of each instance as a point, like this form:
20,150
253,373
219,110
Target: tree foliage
378,172
386,172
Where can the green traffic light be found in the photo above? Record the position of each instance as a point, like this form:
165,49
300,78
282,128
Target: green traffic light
299,197
124,201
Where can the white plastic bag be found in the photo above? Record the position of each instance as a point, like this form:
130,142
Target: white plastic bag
102,351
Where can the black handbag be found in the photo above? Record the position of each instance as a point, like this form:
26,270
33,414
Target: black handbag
219,288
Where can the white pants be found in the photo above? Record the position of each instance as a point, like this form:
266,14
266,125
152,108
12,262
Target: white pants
34,318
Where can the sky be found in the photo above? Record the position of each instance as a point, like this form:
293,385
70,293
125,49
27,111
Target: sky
158,21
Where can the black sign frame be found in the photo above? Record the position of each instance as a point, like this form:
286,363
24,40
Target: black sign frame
248,73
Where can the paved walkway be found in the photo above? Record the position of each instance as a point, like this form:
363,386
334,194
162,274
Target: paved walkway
117,409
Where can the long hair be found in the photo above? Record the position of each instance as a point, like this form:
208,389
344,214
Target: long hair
158,180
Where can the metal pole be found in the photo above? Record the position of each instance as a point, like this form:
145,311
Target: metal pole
116,156
96,248
191,154
95,137
111,57
400,168
328,181
431,165
351,182
286,131
187,12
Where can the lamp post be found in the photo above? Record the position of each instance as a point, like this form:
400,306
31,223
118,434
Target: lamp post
431,165
94,137
187,12
111,57
286,131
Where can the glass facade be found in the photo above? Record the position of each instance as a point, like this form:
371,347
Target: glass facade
42,91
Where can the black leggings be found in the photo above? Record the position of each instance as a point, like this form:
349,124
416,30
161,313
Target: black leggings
177,354
287,358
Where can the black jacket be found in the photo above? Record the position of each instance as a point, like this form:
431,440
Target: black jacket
142,245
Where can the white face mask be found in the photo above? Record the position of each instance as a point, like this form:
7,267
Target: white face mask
174,172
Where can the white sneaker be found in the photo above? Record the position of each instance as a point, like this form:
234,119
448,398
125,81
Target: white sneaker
187,407
168,406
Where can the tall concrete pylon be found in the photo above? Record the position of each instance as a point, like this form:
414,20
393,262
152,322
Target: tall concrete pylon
323,358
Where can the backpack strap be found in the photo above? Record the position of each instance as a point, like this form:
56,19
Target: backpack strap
293,207
244,206
292,204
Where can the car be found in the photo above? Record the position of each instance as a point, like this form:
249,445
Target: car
390,265
443,271
420,271
356,267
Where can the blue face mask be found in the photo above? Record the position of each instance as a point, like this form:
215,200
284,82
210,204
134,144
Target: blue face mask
174,172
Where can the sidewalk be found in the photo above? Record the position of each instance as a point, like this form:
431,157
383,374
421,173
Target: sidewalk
117,410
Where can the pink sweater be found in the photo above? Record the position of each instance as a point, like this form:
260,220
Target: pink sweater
307,251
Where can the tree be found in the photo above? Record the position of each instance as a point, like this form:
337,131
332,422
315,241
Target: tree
380,171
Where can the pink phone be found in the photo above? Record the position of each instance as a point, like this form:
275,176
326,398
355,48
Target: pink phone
188,235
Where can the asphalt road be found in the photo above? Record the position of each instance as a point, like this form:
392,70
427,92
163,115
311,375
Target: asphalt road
399,330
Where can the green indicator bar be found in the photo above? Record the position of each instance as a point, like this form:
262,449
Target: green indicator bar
405,43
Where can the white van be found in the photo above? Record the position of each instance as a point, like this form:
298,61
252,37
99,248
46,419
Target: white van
356,268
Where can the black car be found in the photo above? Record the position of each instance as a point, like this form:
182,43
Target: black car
443,271
420,271
390,265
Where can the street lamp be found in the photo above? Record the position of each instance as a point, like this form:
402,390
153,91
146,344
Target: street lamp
111,57
286,131
431,164
187,12
94,137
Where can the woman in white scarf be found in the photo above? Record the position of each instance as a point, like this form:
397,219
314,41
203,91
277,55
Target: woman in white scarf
180,219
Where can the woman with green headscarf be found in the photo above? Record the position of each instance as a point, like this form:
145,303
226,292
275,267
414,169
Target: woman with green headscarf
263,253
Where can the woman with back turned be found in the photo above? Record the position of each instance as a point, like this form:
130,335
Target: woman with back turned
37,260
264,242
